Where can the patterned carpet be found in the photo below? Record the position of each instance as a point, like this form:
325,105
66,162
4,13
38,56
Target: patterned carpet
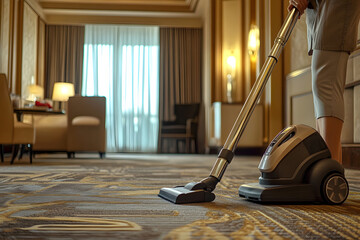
116,198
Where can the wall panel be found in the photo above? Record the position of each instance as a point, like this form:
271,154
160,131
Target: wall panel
4,36
40,74
357,114
296,51
29,49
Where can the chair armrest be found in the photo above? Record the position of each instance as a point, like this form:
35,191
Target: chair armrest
191,125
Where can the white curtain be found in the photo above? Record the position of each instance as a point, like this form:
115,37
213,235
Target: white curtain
122,64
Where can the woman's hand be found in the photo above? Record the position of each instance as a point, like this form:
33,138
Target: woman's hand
300,5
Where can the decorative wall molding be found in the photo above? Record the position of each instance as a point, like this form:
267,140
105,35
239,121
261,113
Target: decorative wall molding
29,48
69,19
122,5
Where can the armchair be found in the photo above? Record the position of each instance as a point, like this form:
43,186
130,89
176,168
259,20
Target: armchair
12,131
183,128
86,125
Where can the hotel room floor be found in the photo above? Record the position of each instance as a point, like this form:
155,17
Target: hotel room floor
116,198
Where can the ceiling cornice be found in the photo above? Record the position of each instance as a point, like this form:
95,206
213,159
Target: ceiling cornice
122,5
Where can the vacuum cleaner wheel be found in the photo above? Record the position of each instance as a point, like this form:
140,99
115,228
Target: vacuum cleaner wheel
335,189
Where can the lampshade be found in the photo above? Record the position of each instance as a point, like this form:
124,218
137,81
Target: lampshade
62,91
35,92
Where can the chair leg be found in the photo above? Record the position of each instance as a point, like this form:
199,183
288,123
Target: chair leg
196,146
15,152
177,146
102,155
2,152
188,145
160,145
30,153
22,149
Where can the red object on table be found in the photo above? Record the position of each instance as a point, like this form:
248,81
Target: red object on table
40,104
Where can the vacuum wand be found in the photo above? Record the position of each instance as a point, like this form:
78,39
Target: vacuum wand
202,191
226,154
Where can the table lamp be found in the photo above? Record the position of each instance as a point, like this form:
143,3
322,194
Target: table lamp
62,91
35,92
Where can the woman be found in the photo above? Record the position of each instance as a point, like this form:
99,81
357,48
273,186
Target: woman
332,34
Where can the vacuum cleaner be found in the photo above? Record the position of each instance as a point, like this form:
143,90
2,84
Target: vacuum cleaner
296,166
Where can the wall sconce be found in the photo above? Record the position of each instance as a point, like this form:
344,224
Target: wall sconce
230,81
253,42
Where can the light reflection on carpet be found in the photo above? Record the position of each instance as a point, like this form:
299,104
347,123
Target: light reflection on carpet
81,224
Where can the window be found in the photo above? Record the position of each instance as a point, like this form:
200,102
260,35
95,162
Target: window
122,64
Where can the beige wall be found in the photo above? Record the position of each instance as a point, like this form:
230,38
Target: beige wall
22,43
4,36
296,53
231,46
29,49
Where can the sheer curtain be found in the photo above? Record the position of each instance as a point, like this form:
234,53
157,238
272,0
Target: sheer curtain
122,64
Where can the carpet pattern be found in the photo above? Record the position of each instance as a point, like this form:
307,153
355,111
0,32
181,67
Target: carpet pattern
116,198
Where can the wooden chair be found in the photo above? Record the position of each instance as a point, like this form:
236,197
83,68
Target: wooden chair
184,128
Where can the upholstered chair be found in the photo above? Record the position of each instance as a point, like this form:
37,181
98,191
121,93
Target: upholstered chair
12,131
50,133
86,125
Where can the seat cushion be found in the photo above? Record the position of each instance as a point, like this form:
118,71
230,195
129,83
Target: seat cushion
85,121
24,133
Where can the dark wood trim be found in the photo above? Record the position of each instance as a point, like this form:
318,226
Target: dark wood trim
11,45
243,47
216,51
37,51
19,43
212,49
1,3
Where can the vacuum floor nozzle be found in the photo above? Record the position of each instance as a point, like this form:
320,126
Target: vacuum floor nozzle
183,194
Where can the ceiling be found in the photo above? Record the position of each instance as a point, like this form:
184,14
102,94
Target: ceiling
120,7
180,13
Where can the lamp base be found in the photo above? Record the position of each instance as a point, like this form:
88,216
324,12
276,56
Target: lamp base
58,106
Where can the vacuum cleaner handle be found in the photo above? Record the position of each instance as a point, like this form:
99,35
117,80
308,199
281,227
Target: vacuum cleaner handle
227,152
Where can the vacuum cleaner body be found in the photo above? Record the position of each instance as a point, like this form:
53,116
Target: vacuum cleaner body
297,167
